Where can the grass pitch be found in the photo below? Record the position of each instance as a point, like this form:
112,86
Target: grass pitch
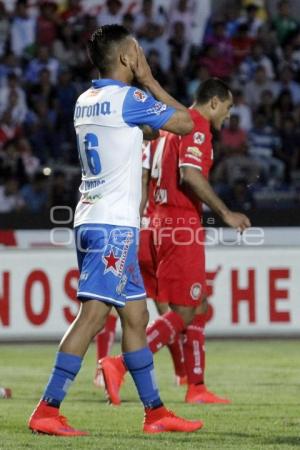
261,378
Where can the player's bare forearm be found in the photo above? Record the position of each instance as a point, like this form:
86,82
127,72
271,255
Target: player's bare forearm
199,185
158,92
149,133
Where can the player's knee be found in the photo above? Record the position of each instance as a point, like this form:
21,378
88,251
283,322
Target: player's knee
136,321
187,314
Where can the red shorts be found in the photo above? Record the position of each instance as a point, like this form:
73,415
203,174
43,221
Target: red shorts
147,262
172,262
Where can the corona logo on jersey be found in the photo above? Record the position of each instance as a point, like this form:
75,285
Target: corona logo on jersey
116,250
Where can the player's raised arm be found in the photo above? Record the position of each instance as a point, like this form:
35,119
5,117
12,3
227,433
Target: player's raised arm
180,121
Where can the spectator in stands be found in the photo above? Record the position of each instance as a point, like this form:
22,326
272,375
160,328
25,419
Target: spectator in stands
256,58
242,110
4,29
266,107
60,193
149,27
179,47
111,13
239,197
282,108
264,144
47,24
201,74
13,96
253,22
43,90
9,64
290,145
255,87
10,198
31,163
284,23
182,12
289,56
35,194
8,128
43,60
287,82
222,48
40,126
22,31
72,11
241,43
235,162
128,22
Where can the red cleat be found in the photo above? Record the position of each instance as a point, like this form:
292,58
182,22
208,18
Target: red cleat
46,419
198,393
161,420
113,370
180,381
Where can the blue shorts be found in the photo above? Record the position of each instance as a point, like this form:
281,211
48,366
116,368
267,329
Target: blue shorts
108,264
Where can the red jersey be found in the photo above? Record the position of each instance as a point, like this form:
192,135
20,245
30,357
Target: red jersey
172,152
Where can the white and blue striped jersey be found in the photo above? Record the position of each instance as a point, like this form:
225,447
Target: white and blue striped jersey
107,118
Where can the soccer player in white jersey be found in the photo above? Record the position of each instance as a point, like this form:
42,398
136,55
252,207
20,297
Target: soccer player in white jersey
108,117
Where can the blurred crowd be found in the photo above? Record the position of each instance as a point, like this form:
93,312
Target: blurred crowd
44,67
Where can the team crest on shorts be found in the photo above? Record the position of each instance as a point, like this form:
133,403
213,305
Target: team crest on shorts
196,290
116,250
199,138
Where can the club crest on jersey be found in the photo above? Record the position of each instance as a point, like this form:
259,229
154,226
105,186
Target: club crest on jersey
140,96
199,138
116,251
196,290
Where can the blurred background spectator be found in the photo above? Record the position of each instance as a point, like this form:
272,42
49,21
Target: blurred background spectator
252,44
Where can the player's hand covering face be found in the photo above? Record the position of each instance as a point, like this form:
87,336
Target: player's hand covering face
140,66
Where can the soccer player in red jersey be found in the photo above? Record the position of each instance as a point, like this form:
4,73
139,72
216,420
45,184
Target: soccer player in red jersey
182,166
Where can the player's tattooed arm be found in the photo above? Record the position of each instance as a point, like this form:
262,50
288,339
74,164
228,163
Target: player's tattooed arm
194,180
149,133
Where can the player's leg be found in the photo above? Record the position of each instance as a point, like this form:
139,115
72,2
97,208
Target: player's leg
139,362
46,417
104,341
194,354
175,349
94,282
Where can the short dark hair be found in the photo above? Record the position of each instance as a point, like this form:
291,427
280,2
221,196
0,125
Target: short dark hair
213,87
101,45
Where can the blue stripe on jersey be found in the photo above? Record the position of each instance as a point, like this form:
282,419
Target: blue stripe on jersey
101,82
140,108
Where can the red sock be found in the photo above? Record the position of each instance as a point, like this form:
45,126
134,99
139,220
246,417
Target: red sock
105,338
164,330
194,350
176,350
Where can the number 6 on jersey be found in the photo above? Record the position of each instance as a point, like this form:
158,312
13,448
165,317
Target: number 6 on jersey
90,146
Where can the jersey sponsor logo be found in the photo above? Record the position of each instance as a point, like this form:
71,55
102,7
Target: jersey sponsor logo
199,138
196,290
195,152
157,108
115,253
97,109
194,157
140,96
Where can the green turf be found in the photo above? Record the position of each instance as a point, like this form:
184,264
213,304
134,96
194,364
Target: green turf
261,378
